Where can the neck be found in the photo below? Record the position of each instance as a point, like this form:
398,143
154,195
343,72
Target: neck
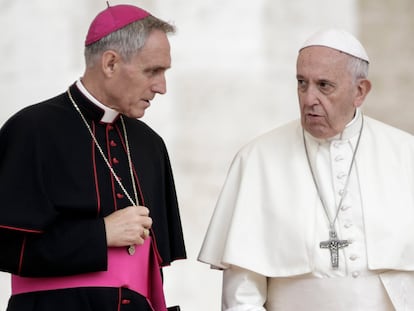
110,115
93,82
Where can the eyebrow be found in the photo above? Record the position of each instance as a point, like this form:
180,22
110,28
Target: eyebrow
158,67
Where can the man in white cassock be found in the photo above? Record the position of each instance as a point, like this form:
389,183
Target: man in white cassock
319,213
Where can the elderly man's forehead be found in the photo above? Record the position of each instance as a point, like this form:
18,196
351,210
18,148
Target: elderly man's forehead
322,54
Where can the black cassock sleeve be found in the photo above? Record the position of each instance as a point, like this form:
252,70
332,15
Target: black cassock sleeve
64,248
35,240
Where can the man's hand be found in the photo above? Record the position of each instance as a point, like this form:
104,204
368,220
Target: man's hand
127,226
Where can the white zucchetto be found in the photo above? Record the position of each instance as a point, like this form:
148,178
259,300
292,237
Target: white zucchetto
339,40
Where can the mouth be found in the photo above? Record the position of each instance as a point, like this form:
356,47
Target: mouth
313,115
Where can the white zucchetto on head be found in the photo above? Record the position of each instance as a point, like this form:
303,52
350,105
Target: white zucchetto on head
339,40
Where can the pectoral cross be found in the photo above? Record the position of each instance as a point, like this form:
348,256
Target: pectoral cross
334,245
131,250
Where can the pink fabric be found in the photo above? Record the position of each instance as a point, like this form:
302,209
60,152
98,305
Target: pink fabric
112,19
140,273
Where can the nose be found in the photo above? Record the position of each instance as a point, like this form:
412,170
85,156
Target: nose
160,85
309,96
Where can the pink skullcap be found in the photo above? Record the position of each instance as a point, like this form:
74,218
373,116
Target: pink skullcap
112,19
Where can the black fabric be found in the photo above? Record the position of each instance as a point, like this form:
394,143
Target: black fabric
55,188
80,299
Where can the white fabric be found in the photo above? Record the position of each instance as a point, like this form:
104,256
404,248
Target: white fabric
260,192
400,287
331,160
269,188
109,115
339,40
243,288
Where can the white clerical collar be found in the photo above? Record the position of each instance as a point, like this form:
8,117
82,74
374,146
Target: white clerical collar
109,115
351,129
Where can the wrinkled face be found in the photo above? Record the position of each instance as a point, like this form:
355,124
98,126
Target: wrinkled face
135,83
327,95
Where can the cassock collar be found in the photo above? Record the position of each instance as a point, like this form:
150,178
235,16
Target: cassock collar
351,130
109,115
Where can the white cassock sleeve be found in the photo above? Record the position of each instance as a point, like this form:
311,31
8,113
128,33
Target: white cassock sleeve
243,290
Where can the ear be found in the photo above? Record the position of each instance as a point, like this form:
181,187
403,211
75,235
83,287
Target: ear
109,62
363,88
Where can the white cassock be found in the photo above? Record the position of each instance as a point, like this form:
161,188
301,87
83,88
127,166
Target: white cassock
269,221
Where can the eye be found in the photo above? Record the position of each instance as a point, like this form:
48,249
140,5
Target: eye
302,84
154,71
325,86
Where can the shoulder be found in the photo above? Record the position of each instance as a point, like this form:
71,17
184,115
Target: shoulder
286,135
140,128
36,114
279,145
141,134
383,139
385,131
42,110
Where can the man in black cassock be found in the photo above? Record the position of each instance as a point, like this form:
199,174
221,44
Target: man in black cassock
89,206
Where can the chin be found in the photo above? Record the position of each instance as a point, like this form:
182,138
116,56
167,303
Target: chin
317,132
138,116
135,114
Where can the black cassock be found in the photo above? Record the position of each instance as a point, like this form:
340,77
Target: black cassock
55,189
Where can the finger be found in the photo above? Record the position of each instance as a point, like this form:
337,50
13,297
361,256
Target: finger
144,211
145,233
140,240
147,223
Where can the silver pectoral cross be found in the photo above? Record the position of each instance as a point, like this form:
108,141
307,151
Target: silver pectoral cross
334,245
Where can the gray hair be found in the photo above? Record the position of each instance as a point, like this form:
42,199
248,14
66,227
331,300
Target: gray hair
358,68
126,41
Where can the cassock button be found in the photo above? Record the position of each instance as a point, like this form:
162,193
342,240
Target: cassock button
339,158
353,257
337,144
109,127
341,175
348,225
113,143
119,195
342,192
126,301
115,161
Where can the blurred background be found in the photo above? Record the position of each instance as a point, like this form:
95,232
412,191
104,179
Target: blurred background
232,79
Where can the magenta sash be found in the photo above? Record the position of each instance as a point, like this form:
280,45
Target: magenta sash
140,273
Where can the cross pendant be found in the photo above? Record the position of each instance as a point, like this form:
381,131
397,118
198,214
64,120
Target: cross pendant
334,245
131,250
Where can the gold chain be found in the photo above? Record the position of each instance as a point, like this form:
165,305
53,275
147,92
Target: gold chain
118,180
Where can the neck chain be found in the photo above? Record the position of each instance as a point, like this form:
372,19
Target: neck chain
118,180
333,244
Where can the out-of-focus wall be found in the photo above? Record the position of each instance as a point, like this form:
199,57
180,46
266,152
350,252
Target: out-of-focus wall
387,30
232,78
